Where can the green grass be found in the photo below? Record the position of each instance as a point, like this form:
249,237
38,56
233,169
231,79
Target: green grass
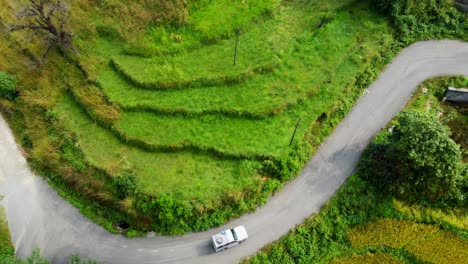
315,60
6,246
231,135
222,18
244,136
259,47
186,175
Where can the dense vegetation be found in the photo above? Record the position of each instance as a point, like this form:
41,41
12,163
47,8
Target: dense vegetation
365,222
7,86
419,161
416,20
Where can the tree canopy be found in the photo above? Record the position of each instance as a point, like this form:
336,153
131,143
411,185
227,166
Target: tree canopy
418,160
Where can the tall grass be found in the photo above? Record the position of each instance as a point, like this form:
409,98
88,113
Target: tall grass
6,246
443,247
369,258
389,232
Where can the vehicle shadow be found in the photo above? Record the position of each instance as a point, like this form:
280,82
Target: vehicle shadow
205,248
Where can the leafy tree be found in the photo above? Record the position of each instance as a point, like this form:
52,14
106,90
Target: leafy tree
420,162
46,19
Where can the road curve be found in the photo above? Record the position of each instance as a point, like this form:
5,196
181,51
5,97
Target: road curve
39,218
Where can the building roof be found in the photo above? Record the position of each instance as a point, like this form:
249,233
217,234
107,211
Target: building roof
456,95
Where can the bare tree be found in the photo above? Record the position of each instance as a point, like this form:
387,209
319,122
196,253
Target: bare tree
46,19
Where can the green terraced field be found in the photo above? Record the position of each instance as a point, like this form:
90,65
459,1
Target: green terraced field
186,175
197,128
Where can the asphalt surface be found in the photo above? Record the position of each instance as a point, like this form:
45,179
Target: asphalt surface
39,218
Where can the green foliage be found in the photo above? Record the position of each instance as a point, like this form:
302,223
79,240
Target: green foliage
8,86
427,161
419,161
125,184
416,20
290,164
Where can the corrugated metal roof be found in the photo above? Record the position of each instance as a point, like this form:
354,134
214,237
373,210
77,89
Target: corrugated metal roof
459,95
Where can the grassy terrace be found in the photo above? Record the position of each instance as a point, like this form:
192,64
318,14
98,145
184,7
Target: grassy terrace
205,141
319,71
186,175
260,48
313,57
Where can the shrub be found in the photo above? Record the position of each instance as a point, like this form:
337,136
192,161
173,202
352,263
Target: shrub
8,86
415,20
125,184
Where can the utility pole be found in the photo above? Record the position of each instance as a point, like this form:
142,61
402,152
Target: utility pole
295,129
238,32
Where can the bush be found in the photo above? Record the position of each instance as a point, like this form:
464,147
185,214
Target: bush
419,161
125,185
8,86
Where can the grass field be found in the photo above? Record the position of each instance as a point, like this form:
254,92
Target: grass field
334,51
187,124
299,89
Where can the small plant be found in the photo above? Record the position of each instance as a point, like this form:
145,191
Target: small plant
8,86
125,185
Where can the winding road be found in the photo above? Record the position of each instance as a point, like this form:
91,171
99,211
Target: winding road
39,218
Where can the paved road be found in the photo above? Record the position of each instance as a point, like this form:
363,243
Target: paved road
38,217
